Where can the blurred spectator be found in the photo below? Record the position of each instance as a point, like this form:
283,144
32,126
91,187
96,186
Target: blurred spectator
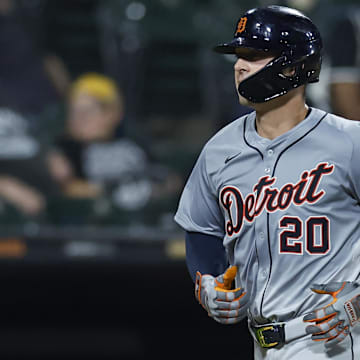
29,79
344,53
93,157
25,181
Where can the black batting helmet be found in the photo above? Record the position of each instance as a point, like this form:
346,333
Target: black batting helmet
294,39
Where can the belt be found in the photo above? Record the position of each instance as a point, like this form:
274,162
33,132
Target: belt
276,334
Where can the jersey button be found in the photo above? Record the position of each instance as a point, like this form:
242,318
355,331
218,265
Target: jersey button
270,152
267,170
264,273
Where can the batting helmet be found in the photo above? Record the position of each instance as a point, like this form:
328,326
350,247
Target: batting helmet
291,36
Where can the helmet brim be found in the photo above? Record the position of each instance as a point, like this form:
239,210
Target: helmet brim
240,42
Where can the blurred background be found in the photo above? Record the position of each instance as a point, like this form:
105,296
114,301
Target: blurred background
104,108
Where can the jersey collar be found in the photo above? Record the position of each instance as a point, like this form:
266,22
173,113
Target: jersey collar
261,143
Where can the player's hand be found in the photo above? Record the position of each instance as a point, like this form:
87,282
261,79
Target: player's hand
223,304
332,322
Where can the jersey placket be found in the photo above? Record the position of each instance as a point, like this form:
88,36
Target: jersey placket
261,224
270,152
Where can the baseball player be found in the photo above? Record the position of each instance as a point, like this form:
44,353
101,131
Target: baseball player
272,207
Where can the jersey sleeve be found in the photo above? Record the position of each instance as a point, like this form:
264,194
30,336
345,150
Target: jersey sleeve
199,209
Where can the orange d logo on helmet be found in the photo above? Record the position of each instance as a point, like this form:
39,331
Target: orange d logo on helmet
241,25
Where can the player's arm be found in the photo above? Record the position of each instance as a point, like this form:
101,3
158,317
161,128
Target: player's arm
205,253
208,266
199,214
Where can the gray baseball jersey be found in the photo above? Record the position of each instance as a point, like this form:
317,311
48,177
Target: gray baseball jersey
287,209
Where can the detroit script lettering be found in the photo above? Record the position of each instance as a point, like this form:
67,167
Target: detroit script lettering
271,198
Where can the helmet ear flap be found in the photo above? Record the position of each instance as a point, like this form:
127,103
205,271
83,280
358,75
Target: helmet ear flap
261,87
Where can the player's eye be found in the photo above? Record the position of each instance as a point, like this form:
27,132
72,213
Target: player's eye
249,57
255,55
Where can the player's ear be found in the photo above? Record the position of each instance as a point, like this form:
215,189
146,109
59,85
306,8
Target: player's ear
289,71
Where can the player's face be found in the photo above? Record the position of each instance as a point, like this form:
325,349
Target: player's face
248,62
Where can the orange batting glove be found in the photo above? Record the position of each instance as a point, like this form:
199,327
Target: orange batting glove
331,323
223,304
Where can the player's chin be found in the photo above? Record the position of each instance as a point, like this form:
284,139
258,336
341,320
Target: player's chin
245,102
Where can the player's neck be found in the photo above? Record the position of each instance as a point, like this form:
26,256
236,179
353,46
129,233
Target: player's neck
279,116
